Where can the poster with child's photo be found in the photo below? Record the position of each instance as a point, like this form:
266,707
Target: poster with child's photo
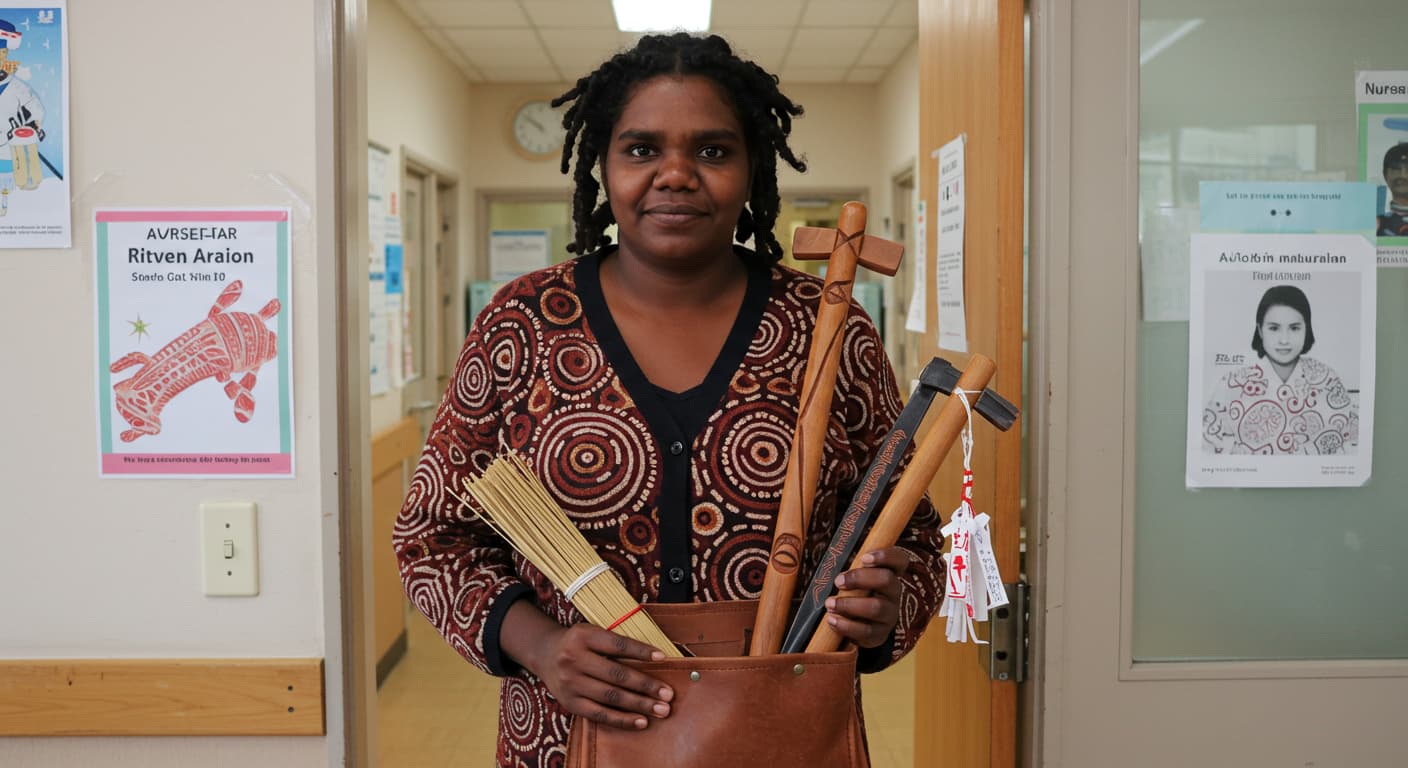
1281,360
1382,99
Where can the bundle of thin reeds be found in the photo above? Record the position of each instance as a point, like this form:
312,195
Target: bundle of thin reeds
515,504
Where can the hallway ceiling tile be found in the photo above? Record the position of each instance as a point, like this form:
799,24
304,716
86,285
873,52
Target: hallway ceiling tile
813,41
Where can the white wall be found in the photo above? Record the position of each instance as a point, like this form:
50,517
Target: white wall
896,129
174,103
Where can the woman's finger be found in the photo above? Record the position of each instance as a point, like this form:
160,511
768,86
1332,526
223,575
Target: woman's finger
862,633
620,646
601,714
881,580
868,609
896,559
630,680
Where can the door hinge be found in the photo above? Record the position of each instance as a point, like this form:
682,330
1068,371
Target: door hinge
1005,656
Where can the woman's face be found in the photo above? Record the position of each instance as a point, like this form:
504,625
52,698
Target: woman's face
1282,334
676,170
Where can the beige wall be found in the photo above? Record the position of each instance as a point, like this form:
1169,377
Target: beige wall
896,129
174,103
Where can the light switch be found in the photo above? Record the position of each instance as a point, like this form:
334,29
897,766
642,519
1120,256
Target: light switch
229,548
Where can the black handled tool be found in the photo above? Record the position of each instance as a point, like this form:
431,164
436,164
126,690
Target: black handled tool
939,376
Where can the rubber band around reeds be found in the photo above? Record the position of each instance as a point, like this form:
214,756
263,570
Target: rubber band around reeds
581,581
628,615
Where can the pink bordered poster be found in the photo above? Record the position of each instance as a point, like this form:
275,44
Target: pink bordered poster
193,342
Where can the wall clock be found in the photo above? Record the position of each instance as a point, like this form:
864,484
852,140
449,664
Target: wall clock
537,129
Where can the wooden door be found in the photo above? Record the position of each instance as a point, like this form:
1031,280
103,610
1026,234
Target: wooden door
971,69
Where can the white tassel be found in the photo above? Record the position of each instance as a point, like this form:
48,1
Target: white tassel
973,584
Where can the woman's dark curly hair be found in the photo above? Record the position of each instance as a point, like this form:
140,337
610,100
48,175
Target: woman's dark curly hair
596,102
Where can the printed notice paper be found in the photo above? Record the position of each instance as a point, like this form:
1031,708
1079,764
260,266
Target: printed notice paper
516,252
1382,98
916,319
948,272
1281,336
378,211
193,342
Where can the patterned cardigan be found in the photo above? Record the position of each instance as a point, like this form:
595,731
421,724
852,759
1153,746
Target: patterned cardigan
681,506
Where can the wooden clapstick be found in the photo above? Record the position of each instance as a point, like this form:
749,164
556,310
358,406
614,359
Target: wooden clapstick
916,478
844,248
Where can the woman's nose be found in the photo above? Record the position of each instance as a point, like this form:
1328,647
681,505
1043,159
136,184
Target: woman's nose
676,171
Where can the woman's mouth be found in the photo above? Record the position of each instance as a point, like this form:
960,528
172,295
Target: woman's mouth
674,214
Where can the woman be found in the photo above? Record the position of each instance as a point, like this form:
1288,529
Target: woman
1287,404
653,386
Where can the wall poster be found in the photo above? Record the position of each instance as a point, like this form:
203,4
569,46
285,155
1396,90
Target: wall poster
194,351
1281,336
34,146
379,195
1382,98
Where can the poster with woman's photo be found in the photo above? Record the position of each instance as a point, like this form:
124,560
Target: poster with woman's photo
1281,360
1382,99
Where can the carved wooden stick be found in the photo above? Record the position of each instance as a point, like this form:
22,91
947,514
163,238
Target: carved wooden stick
844,248
916,478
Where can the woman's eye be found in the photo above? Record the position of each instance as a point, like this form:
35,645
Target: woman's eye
712,153
639,150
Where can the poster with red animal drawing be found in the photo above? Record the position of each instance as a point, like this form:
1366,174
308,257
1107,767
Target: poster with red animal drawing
34,147
194,344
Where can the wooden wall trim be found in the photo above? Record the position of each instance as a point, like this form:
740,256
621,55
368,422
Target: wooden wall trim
161,697
395,444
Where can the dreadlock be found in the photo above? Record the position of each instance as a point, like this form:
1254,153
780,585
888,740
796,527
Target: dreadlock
597,100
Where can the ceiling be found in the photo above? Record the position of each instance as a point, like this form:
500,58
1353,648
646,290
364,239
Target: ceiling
540,41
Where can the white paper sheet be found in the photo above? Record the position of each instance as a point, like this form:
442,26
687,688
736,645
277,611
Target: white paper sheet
917,318
948,272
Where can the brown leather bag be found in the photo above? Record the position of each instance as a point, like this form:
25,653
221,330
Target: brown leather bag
784,711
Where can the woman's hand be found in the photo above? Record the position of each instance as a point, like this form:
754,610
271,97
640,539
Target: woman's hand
868,620
580,667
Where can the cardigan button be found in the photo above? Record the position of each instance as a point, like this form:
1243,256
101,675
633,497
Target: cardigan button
676,448
676,575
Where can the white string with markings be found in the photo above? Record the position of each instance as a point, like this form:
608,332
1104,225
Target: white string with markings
973,584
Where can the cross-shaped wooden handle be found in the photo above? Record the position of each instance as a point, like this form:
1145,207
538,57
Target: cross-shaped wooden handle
844,247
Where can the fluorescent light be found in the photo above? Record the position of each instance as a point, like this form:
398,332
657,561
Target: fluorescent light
661,15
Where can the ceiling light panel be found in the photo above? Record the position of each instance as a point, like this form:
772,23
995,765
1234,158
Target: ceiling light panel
659,16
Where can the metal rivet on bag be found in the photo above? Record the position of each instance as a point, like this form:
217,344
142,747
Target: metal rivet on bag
694,677
799,669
